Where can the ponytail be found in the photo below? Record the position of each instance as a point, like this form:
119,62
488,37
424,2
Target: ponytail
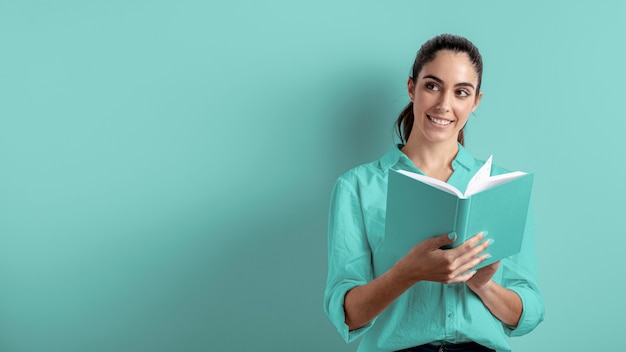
404,123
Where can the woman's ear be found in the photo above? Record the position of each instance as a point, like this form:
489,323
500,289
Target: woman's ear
411,88
477,100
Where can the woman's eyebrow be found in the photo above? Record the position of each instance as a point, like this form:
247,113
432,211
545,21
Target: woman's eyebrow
440,81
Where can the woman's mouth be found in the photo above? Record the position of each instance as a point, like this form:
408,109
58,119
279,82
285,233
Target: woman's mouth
438,121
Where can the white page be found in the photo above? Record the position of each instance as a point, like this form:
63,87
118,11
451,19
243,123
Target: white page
433,182
481,181
493,181
482,175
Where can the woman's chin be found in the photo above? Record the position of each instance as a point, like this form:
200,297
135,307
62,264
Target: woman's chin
442,137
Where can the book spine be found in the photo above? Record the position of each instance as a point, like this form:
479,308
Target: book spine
462,220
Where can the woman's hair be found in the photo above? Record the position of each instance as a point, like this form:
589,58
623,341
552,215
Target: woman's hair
426,54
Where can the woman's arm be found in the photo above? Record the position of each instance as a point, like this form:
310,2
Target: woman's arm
516,300
503,303
425,262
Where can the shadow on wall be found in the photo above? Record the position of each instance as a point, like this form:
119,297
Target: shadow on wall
362,119
241,275
267,285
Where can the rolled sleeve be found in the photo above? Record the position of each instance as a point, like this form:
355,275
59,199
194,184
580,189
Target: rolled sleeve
520,276
349,254
532,311
333,305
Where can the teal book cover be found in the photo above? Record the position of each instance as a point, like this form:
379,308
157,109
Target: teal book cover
418,208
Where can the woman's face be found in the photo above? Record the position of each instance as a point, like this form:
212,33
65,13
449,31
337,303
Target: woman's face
443,96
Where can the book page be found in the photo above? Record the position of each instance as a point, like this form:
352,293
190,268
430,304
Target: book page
481,180
482,175
432,182
493,181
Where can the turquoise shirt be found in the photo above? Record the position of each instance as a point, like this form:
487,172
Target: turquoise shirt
428,311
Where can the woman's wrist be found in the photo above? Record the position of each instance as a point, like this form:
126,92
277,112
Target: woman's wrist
482,289
402,275
504,304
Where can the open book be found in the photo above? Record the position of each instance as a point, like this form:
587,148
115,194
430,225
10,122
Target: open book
421,207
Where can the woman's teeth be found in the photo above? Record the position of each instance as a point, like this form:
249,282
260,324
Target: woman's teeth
440,122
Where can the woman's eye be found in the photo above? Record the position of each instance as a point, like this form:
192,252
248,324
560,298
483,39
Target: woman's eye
431,86
463,93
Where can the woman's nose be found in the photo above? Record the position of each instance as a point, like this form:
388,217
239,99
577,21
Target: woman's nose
444,103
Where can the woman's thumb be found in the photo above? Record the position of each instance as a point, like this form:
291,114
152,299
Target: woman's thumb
446,239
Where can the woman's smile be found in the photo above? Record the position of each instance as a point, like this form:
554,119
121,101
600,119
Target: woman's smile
439,121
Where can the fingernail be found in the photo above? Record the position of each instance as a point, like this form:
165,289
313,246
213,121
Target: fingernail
488,256
452,236
491,241
485,233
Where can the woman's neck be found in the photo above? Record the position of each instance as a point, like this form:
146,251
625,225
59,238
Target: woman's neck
433,159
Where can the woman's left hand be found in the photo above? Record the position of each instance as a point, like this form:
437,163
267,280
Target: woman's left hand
482,276
505,304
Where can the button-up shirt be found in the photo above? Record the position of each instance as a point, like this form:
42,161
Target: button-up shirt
429,311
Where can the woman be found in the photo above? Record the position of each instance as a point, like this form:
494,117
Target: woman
431,299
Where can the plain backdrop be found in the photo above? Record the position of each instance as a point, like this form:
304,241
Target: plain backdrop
166,166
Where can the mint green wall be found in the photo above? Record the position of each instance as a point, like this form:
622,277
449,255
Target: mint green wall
165,166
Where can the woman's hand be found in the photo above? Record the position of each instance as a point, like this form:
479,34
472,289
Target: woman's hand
428,262
503,303
425,261
482,277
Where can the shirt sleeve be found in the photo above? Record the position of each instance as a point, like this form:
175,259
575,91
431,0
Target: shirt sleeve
349,254
520,276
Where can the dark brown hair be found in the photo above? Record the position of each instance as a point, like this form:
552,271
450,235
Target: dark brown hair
426,54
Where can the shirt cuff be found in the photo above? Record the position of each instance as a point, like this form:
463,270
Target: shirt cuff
532,311
335,311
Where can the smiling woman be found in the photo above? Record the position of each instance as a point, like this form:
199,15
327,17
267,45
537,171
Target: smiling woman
455,48
443,94
431,299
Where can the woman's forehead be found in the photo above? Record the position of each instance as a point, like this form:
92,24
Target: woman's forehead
450,66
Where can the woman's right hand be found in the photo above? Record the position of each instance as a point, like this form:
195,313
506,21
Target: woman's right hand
426,261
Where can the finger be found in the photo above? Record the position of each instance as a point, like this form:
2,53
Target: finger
476,239
445,239
469,244
474,252
463,277
469,265
478,243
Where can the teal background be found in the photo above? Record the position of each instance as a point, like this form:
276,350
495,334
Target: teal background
166,166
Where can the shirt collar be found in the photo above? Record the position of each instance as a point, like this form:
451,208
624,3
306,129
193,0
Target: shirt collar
464,159
394,156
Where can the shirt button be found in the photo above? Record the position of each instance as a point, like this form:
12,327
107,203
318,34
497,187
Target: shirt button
450,315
